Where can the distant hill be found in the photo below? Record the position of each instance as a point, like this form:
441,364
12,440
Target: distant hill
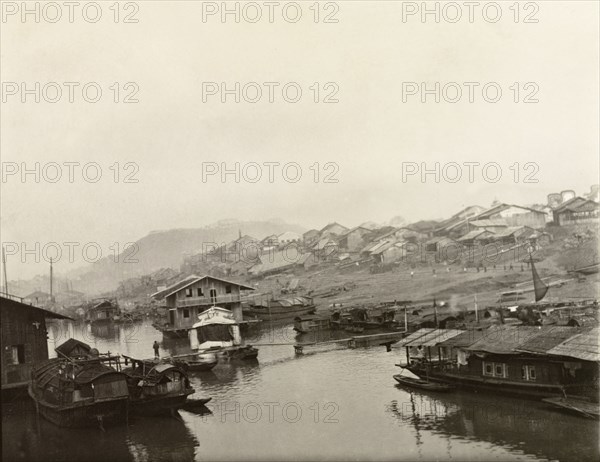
160,249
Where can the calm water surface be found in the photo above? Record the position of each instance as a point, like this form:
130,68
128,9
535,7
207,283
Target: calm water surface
327,405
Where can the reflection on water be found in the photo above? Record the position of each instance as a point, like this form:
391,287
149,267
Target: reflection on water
526,426
330,405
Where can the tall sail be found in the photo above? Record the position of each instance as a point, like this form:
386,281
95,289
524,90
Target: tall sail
538,285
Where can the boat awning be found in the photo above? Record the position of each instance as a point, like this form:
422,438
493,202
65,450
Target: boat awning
583,346
414,336
548,338
215,315
434,337
160,368
504,339
464,339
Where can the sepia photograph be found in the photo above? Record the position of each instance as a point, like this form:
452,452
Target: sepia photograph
311,230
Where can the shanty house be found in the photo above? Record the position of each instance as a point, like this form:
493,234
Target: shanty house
333,228
515,215
310,237
576,211
289,237
187,298
269,243
352,239
477,236
24,339
325,248
390,252
515,234
276,261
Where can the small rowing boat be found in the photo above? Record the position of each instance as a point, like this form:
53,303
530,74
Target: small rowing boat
422,384
576,405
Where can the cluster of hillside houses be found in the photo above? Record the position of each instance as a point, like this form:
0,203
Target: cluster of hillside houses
503,224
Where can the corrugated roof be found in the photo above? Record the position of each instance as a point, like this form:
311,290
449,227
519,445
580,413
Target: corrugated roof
434,337
6,302
414,336
548,338
387,246
581,346
493,222
474,234
504,339
464,339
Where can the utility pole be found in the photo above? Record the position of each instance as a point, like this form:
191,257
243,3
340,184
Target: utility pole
51,296
476,310
4,268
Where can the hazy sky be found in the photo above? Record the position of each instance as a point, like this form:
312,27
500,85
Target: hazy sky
368,55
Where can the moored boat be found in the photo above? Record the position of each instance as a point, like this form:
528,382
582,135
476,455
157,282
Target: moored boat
218,333
585,408
79,392
529,361
282,309
422,384
305,324
197,362
156,388
102,311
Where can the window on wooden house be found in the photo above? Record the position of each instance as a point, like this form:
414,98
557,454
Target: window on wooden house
228,289
186,313
200,293
188,292
528,373
17,354
488,369
494,369
499,370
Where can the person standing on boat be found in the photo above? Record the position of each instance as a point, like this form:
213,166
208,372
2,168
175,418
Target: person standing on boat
156,347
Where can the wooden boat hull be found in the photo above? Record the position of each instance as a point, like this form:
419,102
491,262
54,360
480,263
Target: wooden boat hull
160,405
197,406
577,406
193,365
536,391
83,414
422,384
243,353
279,313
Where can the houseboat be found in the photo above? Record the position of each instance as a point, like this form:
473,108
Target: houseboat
375,318
79,392
102,311
186,299
306,324
340,320
156,388
285,309
218,333
530,361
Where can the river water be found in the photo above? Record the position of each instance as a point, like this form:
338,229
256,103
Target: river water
328,404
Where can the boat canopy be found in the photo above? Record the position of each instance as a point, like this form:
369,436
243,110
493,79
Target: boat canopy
429,337
214,315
